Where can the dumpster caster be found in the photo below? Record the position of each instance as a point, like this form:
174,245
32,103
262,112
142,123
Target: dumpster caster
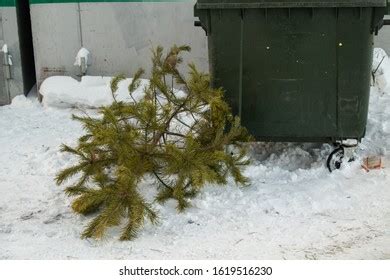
335,159
342,152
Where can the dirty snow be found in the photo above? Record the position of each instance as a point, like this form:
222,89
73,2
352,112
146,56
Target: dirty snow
294,209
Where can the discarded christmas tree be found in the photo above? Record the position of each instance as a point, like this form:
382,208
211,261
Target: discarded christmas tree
179,138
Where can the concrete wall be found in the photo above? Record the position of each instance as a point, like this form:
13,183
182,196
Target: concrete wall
9,35
383,39
118,35
56,39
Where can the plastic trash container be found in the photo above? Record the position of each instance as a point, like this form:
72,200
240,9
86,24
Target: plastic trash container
296,71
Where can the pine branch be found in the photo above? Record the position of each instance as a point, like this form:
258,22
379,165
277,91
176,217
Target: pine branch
161,181
88,202
69,172
110,216
135,82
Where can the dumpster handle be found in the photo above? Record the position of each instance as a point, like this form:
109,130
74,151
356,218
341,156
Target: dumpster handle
386,22
197,23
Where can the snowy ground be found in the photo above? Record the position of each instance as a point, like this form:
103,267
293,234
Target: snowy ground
294,208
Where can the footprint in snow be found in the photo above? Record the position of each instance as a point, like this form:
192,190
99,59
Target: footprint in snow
27,216
53,219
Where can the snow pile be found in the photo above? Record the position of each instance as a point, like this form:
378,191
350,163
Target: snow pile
90,92
20,101
293,209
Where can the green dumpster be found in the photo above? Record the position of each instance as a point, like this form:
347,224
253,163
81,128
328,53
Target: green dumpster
296,71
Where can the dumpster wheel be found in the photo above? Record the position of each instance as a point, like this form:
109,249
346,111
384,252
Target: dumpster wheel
339,154
335,159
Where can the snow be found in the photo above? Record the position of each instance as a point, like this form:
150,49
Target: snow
380,63
293,209
4,49
83,53
90,92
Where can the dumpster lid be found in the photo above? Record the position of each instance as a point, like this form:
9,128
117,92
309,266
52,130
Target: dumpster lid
231,4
